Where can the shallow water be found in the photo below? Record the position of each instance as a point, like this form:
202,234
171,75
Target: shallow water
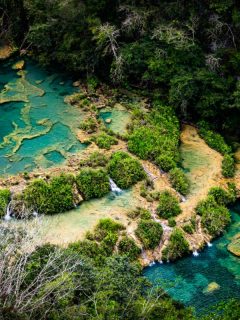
37,127
119,116
187,279
71,226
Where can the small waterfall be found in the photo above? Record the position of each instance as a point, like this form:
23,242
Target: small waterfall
152,263
195,253
209,244
7,216
114,187
160,261
35,213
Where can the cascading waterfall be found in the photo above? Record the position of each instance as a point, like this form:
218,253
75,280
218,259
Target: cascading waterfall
209,244
114,187
195,253
7,216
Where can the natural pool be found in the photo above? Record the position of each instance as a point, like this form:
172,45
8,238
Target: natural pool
204,280
37,128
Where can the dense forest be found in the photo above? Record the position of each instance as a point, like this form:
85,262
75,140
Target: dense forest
183,58
184,52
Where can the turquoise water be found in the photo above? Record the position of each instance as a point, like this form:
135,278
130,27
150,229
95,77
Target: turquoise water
37,128
187,279
119,116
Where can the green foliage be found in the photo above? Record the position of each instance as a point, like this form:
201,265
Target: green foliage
177,246
5,197
96,159
179,181
128,247
188,228
50,197
150,233
125,170
93,183
158,138
228,166
104,140
168,205
213,139
216,219
89,125
222,196
171,222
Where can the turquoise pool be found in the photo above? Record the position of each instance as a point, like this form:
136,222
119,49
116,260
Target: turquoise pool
37,128
189,279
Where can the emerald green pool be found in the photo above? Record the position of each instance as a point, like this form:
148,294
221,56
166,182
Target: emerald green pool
37,128
187,279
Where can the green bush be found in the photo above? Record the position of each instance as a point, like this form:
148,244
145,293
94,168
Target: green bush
172,222
104,141
228,166
93,183
168,205
125,170
213,139
89,125
5,197
215,219
156,135
104,227
53,197
221,196
179,181
150,233
165,162
96,159
128,247
188,228
177,247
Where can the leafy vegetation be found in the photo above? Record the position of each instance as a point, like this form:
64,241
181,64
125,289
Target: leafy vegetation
93,183
5,197
104,140
128,247
228,166
50,197
150,233
177,246
125,170
179,181
168,205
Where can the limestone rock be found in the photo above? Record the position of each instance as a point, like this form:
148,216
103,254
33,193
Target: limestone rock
108,120
212,286
76,83
234,246
18,65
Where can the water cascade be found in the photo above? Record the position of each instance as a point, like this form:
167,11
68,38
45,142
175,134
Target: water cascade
114,187
195,253
209,244
7,216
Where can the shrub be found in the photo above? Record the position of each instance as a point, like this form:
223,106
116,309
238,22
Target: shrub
205,205
125,170
96,159
215,219
221,196
168,205
228,166
179,181
89,125
177,246
165,162
213,139
128,247
53,197
5,197
150,233
93,183
171,222
188,228
105,141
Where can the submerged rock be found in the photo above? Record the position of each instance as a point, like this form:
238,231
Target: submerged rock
234,246
108,120
213,286
18,65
